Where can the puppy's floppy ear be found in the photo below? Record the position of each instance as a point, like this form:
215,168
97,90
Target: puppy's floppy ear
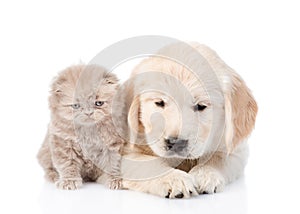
135,126
240,111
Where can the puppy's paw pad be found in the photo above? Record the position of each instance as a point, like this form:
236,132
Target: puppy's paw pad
69,184
115,183
208,180
180,195
168,195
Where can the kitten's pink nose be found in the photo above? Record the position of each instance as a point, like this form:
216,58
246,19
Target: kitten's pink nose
89,113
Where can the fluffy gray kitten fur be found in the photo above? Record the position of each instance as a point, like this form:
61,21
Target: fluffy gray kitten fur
82,143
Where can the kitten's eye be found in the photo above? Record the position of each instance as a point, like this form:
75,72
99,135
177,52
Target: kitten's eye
160,103
99,103
75,106
199,107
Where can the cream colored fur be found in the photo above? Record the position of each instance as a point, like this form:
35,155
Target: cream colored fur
205,166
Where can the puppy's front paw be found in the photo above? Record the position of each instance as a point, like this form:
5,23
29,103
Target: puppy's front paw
176,184
207,180
115,183
69,184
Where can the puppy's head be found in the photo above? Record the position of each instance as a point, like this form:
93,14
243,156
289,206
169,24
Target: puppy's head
174,111
183,116
83,94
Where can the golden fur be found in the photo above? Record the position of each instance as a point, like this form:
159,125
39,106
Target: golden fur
81,143
204,165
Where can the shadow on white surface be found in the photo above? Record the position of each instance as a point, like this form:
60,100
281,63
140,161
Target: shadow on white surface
96,198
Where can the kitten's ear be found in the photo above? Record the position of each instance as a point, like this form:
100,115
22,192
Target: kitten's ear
111,78
56,87
56,91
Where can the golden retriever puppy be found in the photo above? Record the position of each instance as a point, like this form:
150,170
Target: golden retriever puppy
81,143
190,115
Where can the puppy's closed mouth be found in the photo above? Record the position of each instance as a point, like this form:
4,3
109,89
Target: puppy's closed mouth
172,154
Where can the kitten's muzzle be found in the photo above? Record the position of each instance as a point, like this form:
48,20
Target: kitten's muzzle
89,113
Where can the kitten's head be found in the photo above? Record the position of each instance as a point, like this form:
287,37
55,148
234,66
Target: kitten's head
83,94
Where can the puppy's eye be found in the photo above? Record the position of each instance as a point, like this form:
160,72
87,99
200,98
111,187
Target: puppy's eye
160,103
99,103
75,106
199,107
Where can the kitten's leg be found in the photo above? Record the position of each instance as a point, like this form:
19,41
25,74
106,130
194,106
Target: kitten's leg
115,181
106,162
67,162
51,175
112,182
45,160
221,169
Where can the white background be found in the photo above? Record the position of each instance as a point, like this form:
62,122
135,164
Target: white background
259,39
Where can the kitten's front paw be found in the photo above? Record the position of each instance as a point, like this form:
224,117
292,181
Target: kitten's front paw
207,180
69,184
115,183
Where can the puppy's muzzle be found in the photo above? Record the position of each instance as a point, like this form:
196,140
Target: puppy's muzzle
175,144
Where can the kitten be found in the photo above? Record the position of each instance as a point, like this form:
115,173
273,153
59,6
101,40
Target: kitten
82,142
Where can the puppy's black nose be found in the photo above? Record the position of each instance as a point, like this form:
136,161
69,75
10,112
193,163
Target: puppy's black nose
175,144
